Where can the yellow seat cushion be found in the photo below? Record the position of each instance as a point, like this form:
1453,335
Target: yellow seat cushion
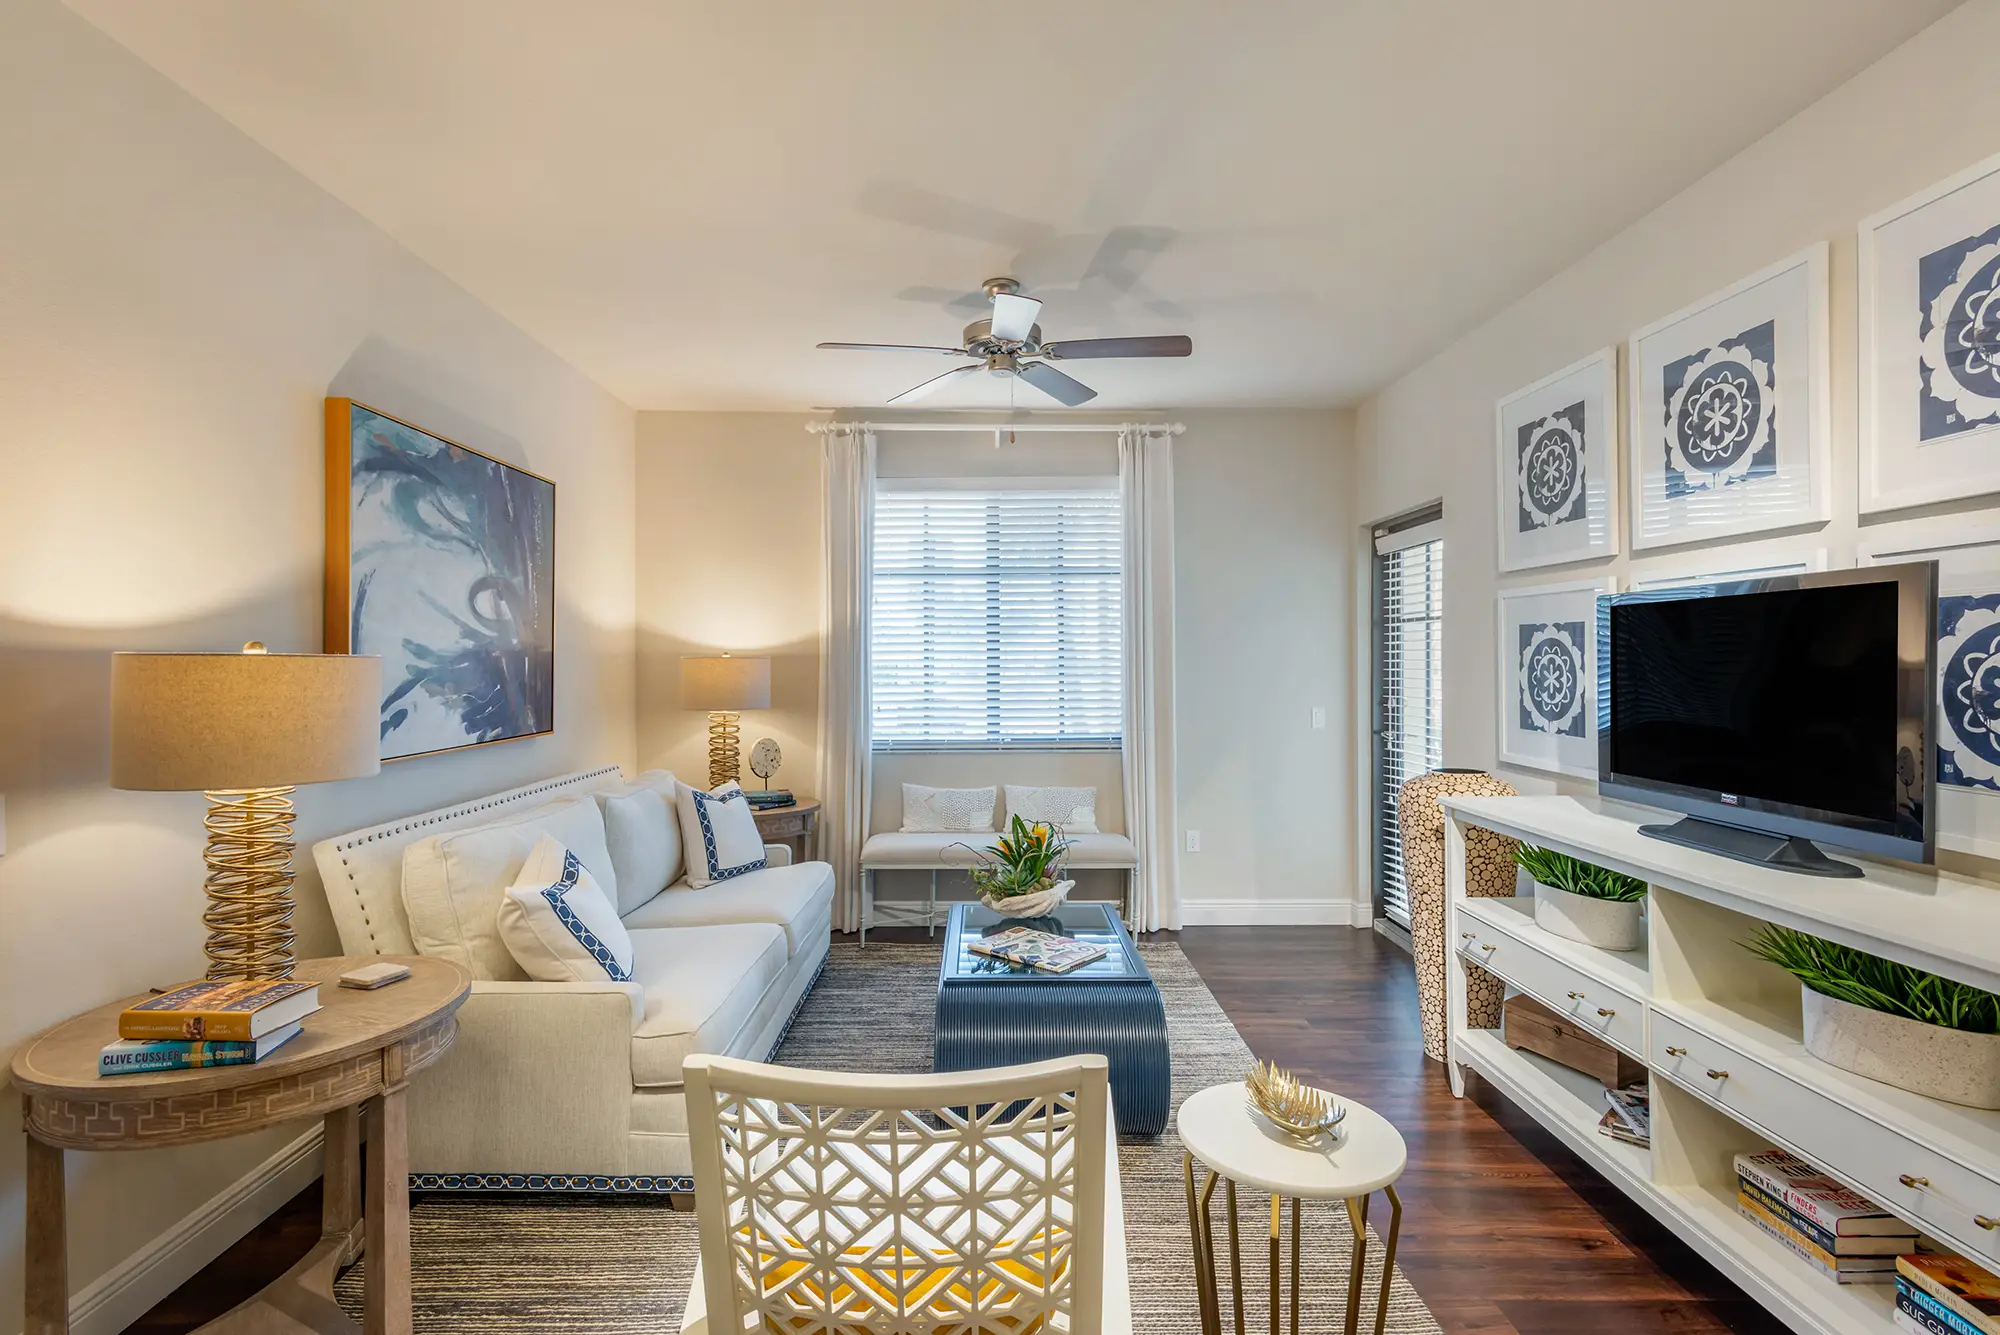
929,1279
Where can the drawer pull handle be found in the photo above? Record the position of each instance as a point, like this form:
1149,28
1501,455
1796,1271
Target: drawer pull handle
1986,1221
1468,935
1576,996
1489,947
1920,1183
1604,1012
1714,1074
1677,1052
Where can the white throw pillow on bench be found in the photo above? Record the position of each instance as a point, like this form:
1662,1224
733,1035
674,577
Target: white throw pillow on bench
1070,810
560,927
947,810
720,832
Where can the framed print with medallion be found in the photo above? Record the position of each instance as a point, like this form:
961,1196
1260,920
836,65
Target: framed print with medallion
1728,565
1930,345
1967,689
1549,676
1728,410
1557,448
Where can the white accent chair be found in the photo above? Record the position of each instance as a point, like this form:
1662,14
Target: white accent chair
975,1201
576,1086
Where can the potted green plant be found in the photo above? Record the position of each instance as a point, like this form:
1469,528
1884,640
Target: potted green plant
1021,873
1890,1022
1585,903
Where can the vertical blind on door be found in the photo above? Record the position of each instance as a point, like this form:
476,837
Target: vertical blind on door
1409,689
998,617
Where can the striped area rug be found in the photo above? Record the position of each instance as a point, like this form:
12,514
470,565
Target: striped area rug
603,1266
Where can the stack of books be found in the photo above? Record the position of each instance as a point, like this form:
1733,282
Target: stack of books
208,1024
1630,1116
1846,1237
1941,1294
763,798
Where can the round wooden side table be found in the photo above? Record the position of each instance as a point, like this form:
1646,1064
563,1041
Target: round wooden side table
1236,1145
792,825
352,1061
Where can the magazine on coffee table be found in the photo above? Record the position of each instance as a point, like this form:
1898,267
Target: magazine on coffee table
1038,950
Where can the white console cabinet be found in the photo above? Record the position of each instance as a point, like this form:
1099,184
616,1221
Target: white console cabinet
1719,1032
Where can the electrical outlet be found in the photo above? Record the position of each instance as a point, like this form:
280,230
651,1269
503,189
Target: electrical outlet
1319,716
1194,841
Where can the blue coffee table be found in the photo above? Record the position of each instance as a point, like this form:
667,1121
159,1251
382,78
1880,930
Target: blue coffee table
991,1013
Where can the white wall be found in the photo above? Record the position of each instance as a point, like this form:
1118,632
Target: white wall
1892,130
174,305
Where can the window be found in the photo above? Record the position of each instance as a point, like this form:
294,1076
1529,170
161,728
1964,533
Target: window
1409,683
998,617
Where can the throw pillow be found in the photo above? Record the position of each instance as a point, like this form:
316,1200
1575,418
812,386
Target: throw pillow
720,832
946,810
560,927
644,837
1071,810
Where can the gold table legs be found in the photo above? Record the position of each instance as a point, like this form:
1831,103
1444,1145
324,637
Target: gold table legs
1202,1228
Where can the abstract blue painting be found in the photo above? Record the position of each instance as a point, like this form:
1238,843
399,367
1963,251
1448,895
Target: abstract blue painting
449,558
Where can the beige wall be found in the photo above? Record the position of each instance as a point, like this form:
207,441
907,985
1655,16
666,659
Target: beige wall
1892,130
174,304
1264,572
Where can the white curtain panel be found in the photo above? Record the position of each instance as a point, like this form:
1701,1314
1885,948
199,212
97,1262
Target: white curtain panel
846,704
1146,484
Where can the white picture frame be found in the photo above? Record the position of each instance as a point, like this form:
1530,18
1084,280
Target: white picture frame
1556,454
1727,415
1726,565
1548,640
1929,398
1966,750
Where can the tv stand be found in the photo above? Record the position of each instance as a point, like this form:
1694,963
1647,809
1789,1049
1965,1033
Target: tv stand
1768,850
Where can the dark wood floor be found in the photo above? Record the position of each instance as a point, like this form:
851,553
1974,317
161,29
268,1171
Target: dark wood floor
1504,1230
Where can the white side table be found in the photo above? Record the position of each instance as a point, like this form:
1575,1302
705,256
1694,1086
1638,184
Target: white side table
1235,1144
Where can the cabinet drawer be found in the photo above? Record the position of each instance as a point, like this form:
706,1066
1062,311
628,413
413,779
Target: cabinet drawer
1939,1194
1614,1016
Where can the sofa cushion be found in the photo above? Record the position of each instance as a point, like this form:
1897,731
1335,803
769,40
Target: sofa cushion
946,850
720,833
797,898
558,925
703,989
643,835
453,883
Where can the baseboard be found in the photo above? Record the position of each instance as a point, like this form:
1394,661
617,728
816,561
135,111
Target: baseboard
1272,913
124,1293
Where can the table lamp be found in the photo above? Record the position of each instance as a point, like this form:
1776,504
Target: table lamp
245,728
724,686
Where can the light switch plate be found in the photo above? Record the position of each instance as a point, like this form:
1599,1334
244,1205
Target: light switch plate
1319,716
1194,841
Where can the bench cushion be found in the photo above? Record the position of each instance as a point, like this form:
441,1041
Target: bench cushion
703,986
798,899
950,850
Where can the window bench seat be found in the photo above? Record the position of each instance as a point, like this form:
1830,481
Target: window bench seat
896,851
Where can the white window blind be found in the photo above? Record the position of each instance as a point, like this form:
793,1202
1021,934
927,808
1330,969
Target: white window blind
1409,696
997,617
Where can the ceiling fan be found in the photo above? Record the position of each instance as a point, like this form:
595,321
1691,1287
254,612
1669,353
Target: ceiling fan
1011,344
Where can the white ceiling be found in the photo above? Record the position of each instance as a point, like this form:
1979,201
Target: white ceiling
682,196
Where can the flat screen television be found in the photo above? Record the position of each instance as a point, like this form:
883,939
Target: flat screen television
1776,711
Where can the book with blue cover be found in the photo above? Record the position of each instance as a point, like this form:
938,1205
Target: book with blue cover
129,1056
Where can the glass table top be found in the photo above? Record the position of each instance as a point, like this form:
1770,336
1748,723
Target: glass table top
1096,923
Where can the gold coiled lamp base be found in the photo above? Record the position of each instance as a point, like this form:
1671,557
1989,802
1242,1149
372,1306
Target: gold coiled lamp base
249,855
723,739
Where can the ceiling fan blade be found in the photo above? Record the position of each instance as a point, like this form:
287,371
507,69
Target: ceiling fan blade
1014,316
934,384
1056,385
894,347
1159,345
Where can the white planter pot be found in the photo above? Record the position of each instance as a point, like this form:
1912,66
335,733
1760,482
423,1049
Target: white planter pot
1030,906
1926,1059
1608,924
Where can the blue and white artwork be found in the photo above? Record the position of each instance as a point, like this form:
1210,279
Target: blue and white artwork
450,561
1958,299
1968,686
1721,407
1549,475
1552,678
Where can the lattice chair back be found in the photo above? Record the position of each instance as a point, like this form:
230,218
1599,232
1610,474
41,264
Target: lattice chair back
937,1204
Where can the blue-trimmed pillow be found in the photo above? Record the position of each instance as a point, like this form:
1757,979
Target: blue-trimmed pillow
720,834
558,925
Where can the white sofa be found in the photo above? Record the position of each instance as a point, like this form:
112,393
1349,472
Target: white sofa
575,1086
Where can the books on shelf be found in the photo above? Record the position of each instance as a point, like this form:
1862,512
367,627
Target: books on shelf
1813,1196
1629,1115
1834,1244
1962,1297
129,1056
235,1012
768,797
1840,1269
1038,950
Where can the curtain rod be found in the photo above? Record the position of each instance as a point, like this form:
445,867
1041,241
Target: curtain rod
1169,428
